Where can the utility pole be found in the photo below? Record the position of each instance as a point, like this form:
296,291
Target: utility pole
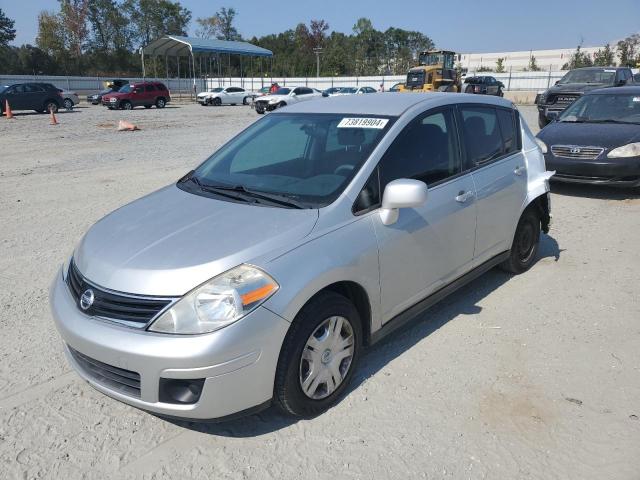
317,51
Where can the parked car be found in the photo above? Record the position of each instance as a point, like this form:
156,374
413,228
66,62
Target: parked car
261,92
224,96
575,83
483,85
328,92
355,90
96,98
396,87
285,96
596,140
141,94
69,99
261,275
40,97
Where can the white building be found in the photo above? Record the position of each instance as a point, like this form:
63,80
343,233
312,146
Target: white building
518,61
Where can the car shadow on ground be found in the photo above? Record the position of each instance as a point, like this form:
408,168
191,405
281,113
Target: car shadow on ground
28,114
463,302
599,192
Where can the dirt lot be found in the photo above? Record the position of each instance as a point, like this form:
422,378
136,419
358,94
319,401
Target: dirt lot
535,376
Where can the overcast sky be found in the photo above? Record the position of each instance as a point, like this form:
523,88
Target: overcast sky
460,25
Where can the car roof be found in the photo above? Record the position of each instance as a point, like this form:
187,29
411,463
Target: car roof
600,68
390,104
631,90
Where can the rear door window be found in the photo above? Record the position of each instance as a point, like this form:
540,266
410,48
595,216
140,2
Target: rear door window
481,134
508,128
150,88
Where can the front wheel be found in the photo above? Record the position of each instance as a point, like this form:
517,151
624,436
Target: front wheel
51,107
217,102
542,120
126,105
318,356
525,243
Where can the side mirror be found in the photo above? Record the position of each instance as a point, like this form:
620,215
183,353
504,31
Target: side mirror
557,82
401,193
553,116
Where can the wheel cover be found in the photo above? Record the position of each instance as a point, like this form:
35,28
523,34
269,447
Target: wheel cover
525,242
326,358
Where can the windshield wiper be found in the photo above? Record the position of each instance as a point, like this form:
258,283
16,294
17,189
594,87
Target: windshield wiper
280,199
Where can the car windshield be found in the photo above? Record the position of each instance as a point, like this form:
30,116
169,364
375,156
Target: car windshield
348,90
3,88
605,77
282,91
126,89
304,158
604,108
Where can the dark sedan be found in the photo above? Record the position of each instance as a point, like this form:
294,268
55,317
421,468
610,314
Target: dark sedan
96,98
596,140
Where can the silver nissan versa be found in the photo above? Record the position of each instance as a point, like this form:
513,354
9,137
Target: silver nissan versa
260,276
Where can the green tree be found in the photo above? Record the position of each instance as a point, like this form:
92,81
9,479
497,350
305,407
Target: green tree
226,29
7,32
628,51
73,15
207,27
500,65
152,19
578,59
533,64
604,57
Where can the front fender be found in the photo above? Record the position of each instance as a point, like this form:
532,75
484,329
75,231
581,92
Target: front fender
347,253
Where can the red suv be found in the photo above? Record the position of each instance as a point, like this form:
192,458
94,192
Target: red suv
146,94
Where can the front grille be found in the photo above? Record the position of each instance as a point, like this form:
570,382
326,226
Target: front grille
562,100
114,378
132,310
576,152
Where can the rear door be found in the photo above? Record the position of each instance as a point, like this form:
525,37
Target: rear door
431,245
16,97
493,153
150,92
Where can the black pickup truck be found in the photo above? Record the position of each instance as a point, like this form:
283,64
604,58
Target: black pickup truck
576,82
483,85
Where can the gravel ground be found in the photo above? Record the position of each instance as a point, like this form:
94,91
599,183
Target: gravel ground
534,376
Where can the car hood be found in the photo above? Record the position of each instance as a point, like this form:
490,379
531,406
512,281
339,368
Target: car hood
170,241
605,135
114,95
576,87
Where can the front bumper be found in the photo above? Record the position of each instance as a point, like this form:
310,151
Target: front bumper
622,172
237,363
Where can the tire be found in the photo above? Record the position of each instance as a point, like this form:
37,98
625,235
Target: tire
260,111
282,104
216,102
318,316
110,108
542,120
469,89
525,243
245,101
500,93
51,106
126,105
160,102
68,104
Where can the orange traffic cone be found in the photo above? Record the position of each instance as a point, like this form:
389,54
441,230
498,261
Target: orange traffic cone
7,109
123,126
54,120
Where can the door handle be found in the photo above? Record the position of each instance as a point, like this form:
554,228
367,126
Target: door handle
463,196
520,170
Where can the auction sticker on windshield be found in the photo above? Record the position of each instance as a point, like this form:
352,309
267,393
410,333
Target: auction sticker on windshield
363,123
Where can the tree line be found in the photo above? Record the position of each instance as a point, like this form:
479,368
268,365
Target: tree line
103,37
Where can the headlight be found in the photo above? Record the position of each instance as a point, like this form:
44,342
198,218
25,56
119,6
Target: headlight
273,100
629,150
113,100
217,303
542,145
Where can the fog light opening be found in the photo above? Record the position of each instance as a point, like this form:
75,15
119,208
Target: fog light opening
180,391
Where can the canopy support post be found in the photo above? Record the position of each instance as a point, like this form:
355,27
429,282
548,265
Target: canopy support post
179,86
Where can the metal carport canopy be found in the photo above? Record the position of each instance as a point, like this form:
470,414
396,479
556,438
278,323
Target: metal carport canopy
178,46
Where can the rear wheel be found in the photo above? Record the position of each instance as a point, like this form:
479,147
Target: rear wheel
525,243
318,356
68,104
245,101
160,102
126,105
